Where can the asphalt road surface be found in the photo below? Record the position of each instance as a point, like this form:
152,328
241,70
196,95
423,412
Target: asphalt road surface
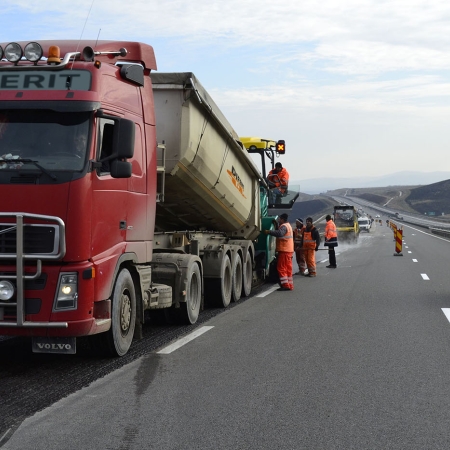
356,358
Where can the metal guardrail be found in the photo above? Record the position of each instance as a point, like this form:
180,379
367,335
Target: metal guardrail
440,232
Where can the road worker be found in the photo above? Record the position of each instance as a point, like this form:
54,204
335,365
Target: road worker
311,242
278,180
331,241
299,253
285,250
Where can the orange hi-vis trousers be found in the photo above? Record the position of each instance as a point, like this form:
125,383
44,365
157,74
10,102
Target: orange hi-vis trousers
310,256
301,260
284,267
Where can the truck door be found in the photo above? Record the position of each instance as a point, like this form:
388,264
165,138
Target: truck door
137,187
133,197
110,196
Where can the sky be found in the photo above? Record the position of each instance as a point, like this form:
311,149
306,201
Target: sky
354,87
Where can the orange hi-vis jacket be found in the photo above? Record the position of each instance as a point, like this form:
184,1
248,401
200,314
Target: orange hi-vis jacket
330,230
308,241
279,179
285,243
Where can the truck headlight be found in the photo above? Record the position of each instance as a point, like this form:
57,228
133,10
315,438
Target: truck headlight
67,294
6,290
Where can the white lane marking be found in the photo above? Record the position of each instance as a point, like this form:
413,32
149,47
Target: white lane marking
424,276
446,311
414,260
269,291
190,337
406,246
409,251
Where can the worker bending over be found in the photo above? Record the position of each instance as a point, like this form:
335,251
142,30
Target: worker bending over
285,250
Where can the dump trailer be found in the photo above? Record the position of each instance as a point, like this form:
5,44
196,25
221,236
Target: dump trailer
124,192
346,221
210,181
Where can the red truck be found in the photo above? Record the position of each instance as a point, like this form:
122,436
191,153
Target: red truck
92,207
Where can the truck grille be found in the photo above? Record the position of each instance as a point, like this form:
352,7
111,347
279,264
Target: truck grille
38,239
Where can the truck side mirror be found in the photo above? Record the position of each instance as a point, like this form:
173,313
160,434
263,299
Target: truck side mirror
120,169
123,141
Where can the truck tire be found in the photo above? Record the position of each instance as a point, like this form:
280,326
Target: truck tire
117,340
247,275
218,290
191,309
236,270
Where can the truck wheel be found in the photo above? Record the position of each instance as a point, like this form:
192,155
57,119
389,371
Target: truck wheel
247,276
218,290
117,340
236,271
191,309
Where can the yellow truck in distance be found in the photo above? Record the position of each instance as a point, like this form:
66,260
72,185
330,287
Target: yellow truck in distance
346,221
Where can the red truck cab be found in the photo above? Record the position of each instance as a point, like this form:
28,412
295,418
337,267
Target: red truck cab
77,145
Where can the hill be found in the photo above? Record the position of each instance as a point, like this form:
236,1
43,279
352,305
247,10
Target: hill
308,206
432,199
404,178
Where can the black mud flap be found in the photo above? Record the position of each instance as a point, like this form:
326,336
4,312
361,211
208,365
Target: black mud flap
54,345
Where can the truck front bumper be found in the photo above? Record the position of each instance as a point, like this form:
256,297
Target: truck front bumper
56,329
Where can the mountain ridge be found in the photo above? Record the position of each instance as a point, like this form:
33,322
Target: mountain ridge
402,178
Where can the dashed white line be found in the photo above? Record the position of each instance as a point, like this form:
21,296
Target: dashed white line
269,291
424,276
409,251
176,345
446,311
414,260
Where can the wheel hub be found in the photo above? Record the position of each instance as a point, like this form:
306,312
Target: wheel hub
125,313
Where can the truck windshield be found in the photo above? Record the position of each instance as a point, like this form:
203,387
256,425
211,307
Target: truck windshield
343,219
55,140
